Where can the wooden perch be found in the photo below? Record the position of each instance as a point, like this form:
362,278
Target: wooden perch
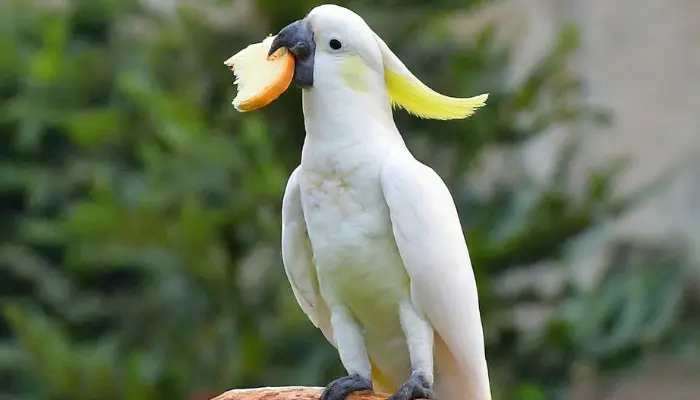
291,393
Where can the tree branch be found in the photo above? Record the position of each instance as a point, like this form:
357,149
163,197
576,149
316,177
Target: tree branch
291,393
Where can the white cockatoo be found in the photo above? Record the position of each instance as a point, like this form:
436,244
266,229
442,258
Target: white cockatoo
371,239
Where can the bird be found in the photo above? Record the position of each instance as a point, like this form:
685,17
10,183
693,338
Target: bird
372,242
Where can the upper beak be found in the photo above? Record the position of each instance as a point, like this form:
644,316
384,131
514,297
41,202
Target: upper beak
298,38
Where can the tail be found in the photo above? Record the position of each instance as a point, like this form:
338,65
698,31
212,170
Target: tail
381,383
453,382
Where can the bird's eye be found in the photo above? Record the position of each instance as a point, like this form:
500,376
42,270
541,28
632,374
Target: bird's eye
335,44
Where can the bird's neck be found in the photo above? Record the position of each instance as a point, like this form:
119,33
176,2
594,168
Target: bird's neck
348,128
333,111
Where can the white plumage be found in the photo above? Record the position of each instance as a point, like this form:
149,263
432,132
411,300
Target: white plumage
371,240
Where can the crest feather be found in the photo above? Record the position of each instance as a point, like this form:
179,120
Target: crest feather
408,92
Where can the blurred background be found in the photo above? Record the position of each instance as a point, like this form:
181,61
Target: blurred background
140,213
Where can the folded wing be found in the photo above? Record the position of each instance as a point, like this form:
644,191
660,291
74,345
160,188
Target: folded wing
298,259
433,248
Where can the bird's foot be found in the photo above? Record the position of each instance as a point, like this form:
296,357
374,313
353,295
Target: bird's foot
340,388
416,387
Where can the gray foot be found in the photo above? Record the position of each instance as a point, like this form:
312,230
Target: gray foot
340,388
416,387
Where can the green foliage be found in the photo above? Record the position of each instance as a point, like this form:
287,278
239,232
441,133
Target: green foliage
139,250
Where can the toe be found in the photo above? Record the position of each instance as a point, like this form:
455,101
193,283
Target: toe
416,387
340,388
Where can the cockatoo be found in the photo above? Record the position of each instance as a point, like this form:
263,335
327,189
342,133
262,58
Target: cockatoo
371,239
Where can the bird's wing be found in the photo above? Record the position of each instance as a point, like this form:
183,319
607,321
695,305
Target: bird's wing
434,251
298,259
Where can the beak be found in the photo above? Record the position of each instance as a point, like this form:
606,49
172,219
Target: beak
298,38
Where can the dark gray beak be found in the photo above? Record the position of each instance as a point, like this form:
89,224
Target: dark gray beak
298,38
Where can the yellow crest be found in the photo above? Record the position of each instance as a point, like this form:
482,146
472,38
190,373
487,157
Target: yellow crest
408,92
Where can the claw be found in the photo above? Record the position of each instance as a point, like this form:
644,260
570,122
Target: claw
340,388
416,387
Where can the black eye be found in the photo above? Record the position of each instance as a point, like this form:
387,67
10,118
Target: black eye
335,44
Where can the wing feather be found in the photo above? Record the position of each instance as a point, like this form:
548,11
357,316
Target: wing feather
297,257
433,248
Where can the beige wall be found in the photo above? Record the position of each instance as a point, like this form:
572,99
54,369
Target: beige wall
641,60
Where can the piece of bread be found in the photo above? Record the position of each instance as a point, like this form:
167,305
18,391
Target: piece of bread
260,79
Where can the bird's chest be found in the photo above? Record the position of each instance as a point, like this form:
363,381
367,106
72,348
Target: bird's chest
351,235
344,209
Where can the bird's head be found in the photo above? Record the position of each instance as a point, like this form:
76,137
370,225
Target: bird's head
334,48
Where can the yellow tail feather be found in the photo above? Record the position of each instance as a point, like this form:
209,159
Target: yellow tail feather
381,383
